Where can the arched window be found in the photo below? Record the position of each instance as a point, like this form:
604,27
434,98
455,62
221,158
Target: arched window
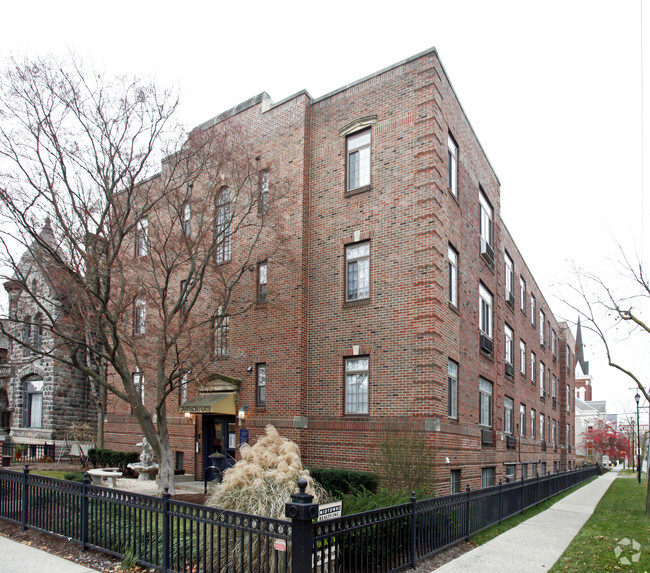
33,403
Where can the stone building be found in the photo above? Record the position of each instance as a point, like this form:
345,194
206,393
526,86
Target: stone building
409,312
45,396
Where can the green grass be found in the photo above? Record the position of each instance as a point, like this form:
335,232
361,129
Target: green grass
49,473
491,532
620,515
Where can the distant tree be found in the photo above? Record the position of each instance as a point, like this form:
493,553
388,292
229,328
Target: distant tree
613,310
606,440
139,250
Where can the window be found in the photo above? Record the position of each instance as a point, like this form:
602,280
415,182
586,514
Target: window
180,462
541,379
261,384
568,434
357,270
37,333
485,317
533,423
221,334
510,279
138,384
554,433
510,472
533,366
508,414
522,419
453,275
261,282
542,320
142,238
27,337
486,227
358,160
182,390
568,398
522,294
356,385
543,468
453,165
542,428
554,389
454,481
568,359
140,317
533,309
264,192
187,219
487,477
509,349
222,230
452,381
33,404
485,402
522,357
554,345
524,471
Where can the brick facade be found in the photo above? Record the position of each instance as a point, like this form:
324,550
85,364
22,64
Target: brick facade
406,216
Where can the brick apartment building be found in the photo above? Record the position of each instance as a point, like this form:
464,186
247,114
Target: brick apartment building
408,310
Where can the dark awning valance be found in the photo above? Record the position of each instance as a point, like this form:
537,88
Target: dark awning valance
211,403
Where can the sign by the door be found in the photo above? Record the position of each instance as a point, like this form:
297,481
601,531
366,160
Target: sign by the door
243,436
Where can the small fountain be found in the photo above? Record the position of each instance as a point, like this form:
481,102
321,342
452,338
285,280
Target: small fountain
146,467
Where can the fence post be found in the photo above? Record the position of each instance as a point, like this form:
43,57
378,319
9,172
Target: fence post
522,493
500,497
25,497
84,512
165,526
414,557
467,528
302,511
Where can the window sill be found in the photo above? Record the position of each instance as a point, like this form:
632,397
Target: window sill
454,197
454,308
358,190
355,303
487,355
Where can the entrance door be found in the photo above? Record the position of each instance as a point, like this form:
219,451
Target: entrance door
218,444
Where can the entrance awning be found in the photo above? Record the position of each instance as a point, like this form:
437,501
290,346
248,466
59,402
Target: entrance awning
212,403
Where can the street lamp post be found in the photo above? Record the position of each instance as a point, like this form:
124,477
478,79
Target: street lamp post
637,397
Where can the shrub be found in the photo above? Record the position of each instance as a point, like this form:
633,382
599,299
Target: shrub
407,462
340,482
101,458
74,476
366,500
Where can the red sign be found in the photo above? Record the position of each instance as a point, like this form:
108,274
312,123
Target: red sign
280,544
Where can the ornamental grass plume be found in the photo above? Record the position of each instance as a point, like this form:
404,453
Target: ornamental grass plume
261,483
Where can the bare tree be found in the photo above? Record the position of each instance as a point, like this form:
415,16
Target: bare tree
141,268
613,310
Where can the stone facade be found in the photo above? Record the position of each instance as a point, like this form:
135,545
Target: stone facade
358,350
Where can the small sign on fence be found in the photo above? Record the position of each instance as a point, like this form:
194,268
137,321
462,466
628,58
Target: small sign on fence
280,544
330,510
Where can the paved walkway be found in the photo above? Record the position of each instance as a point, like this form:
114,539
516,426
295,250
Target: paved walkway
537,543
21,558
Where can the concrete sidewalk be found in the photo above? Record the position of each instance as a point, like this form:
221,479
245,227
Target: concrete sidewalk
21,558
537,543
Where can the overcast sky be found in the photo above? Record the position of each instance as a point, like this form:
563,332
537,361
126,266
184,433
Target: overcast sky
552,89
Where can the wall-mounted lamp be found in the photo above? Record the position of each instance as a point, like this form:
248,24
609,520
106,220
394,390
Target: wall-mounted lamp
249,369
241,415
188,415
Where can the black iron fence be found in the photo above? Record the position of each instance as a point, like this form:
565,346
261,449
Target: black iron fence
175,536
29,452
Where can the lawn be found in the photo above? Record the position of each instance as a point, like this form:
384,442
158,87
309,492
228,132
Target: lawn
618,530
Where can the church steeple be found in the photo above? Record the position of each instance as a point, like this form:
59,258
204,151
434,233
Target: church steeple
580,357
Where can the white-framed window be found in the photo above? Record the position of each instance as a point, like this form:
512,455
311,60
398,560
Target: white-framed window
554,345
543,470
142,237
485,311
358,152
508,414
33,403
509,278
262,269
542,378
533,366
486,219
568,434
509,345
568,398
357,271
533,309
187,219
485,402
542,426
260,370
554,388
554,433
487,477
223,226
522,357
356,384
454,481
182,389
522,419
453,165
533,423
138,384
452,255
542,321
568,359
140,317
510,472
522,294
452,392
264,192
221,327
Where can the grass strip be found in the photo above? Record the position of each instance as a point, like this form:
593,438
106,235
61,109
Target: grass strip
617,535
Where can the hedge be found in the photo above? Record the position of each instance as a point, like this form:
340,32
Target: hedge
100,458
345,481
